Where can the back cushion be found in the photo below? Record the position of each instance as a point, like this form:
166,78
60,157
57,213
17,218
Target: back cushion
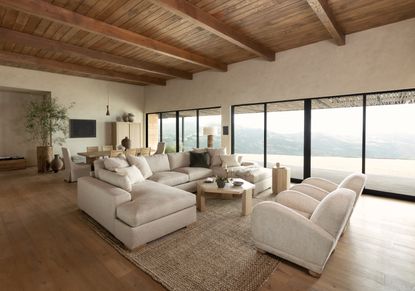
179,160
333,211
355,182
141,163
113,163
115,179
215,154
158,163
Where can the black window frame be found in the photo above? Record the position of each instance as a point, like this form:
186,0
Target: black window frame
177,112
307,135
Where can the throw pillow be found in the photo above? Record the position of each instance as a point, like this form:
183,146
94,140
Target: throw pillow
199,160
202,150
230,160
141,163
215,154
115,163
115,179
133,174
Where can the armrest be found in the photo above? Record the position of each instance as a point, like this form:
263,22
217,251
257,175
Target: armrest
310,190
100,200
321,183
290,234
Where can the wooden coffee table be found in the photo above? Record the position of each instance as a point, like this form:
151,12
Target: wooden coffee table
245,190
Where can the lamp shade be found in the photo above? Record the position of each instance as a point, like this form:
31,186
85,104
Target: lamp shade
210,130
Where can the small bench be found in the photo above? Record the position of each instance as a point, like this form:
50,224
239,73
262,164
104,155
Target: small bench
12,163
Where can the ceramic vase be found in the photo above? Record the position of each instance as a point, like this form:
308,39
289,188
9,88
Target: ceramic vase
56,164
126,142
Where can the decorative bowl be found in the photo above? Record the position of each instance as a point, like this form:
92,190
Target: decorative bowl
238,183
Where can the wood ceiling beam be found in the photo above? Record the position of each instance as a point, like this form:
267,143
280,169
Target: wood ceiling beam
59,47
323,12
21,60
199,17
67,17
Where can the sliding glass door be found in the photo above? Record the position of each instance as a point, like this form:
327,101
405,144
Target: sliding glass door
210,117
336,137
390,142
285,136
183,130
187,130
168,130
249,132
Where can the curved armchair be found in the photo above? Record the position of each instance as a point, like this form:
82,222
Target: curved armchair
308,242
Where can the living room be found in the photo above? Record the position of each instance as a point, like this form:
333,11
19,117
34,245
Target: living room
210,145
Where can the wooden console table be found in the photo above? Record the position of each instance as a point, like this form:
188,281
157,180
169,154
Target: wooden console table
12,164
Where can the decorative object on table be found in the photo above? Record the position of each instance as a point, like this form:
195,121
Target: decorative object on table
45,119
210,131
237,183
130,117
209,180
56,164
126,143
281,178
125,117
221,181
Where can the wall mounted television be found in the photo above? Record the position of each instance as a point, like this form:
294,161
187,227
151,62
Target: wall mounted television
79,128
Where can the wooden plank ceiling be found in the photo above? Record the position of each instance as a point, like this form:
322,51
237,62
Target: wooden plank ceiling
150,41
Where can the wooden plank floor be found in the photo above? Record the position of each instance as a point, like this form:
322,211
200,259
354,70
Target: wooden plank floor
45,245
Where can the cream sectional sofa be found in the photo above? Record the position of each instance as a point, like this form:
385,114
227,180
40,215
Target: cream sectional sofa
157,206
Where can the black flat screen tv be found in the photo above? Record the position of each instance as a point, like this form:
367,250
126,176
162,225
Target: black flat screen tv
82,128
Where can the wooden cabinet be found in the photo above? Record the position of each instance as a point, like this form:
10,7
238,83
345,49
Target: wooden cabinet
132,130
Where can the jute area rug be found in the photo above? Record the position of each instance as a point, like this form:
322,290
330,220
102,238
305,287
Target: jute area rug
216,253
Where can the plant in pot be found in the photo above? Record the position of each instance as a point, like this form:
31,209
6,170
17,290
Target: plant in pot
46,124
221,181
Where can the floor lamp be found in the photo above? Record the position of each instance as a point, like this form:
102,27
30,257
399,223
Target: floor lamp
210,131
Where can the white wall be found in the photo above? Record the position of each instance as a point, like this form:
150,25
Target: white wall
89,95
13,141
379,59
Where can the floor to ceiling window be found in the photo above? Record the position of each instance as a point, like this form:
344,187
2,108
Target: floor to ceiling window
183,130
187,130
331,137
249,132
390,142
285,136
336,137
210,117
168,130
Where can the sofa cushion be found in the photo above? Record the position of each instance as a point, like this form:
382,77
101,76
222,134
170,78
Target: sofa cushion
200,160
133,173
141,163
169,178
117,162
253,175
151,201
201,150
179,160
115,179
229,160
196,173
215,156
158,163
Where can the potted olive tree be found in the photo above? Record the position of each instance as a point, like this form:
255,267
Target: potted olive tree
46,124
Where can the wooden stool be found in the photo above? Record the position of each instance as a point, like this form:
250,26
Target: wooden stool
281,179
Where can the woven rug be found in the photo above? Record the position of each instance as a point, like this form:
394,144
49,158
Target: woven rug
216,253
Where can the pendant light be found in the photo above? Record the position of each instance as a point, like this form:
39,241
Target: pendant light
108,103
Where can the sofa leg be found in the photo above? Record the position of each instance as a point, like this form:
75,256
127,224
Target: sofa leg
136,248
314,274
260,251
